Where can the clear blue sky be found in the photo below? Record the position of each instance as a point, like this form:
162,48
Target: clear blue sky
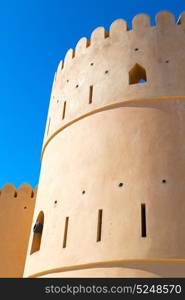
35,36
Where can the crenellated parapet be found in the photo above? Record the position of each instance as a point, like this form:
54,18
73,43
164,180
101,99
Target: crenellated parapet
118,66
111,188
24,190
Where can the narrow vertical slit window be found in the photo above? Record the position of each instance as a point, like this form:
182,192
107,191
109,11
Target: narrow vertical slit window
64,111
99,225
90,94
143,220
65,232
48,125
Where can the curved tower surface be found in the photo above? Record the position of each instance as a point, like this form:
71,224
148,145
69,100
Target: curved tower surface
111,194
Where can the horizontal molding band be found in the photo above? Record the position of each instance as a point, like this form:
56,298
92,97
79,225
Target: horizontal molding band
94,264
102,108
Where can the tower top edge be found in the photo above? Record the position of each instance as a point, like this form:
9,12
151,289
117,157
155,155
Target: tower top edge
163,19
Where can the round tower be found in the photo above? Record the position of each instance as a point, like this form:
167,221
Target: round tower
111,194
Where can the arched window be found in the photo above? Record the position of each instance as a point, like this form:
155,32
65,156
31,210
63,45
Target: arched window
137,74
37,229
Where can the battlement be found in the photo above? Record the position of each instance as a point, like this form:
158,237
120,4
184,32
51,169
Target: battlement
118,66
10,191
141,22
111,187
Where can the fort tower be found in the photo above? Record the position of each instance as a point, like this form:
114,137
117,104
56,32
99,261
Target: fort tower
111,194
